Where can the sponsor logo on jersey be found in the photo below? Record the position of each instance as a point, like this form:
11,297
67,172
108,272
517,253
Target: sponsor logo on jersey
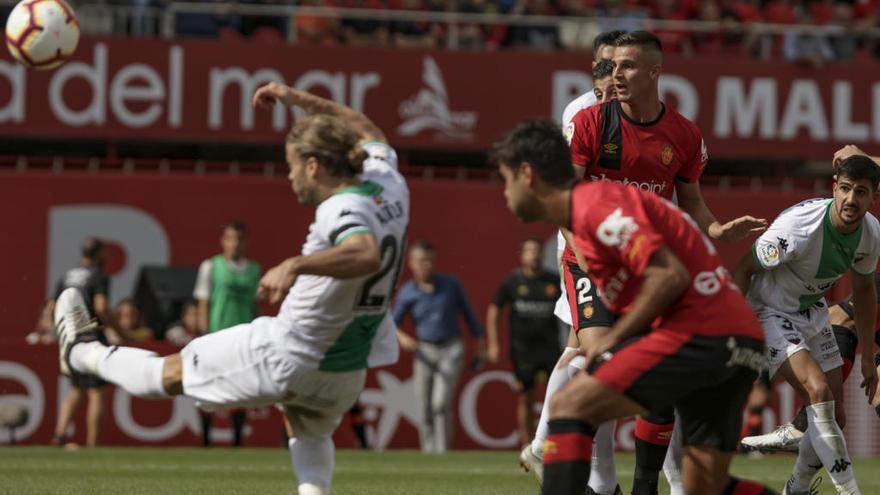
769,254
522,290
429,109
550,290
616,230
610,148
667,155
655,187
783,244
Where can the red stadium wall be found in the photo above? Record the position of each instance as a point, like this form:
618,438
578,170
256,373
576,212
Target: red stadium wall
199,91
175,219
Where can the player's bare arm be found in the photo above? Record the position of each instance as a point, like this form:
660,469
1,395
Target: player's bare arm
865,308
665,279
269,94
742,274
406,342
690,199
203,305
848,151
492,351
356,256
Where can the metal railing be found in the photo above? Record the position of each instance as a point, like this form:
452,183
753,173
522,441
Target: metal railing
574,32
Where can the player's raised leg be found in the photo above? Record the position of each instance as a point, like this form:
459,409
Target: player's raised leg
141,373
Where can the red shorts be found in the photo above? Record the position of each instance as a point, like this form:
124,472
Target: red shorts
706,379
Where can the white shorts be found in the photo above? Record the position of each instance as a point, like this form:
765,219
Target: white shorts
242,367
788,333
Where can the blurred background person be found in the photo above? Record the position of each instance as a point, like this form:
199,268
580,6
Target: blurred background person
131,327
435,301
89,277
226,291
186,328
531,294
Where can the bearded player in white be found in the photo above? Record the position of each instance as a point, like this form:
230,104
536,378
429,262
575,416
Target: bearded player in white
808,248
312,357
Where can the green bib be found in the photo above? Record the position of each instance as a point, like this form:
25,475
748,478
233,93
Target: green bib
233,294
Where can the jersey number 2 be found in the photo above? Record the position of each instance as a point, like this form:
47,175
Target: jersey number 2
583,286
378,288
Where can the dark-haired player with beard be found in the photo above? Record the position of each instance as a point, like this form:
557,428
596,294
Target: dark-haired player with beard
686,337
806,250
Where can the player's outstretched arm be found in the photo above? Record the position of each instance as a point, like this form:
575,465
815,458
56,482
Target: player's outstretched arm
665,279
848,151
690,199
865,307
268,94
357,255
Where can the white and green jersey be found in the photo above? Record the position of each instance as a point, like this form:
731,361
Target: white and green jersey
328,323
802,255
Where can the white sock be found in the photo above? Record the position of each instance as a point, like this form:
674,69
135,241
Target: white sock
806,466
830,446
603,475
672,463
558,378
137,371
312,460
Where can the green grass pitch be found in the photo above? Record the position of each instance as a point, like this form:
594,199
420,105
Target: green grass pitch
153,471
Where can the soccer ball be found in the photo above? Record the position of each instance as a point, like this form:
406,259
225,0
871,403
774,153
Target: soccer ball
42,33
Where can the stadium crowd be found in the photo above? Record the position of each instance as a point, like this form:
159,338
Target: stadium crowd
736,30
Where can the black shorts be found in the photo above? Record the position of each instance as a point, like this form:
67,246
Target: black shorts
86,381
847,342
587,308
706,378
527,363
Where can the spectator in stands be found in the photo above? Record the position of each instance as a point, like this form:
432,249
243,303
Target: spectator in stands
186,328
844,44
271,28
807,48
536,37
435,301
364,32
415,34
131,323
226,291
90,279
621,15
316,30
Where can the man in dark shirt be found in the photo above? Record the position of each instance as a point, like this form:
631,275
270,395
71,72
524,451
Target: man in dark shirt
534,337
435,301
90,279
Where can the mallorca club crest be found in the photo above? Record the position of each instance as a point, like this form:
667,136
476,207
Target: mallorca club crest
667,155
